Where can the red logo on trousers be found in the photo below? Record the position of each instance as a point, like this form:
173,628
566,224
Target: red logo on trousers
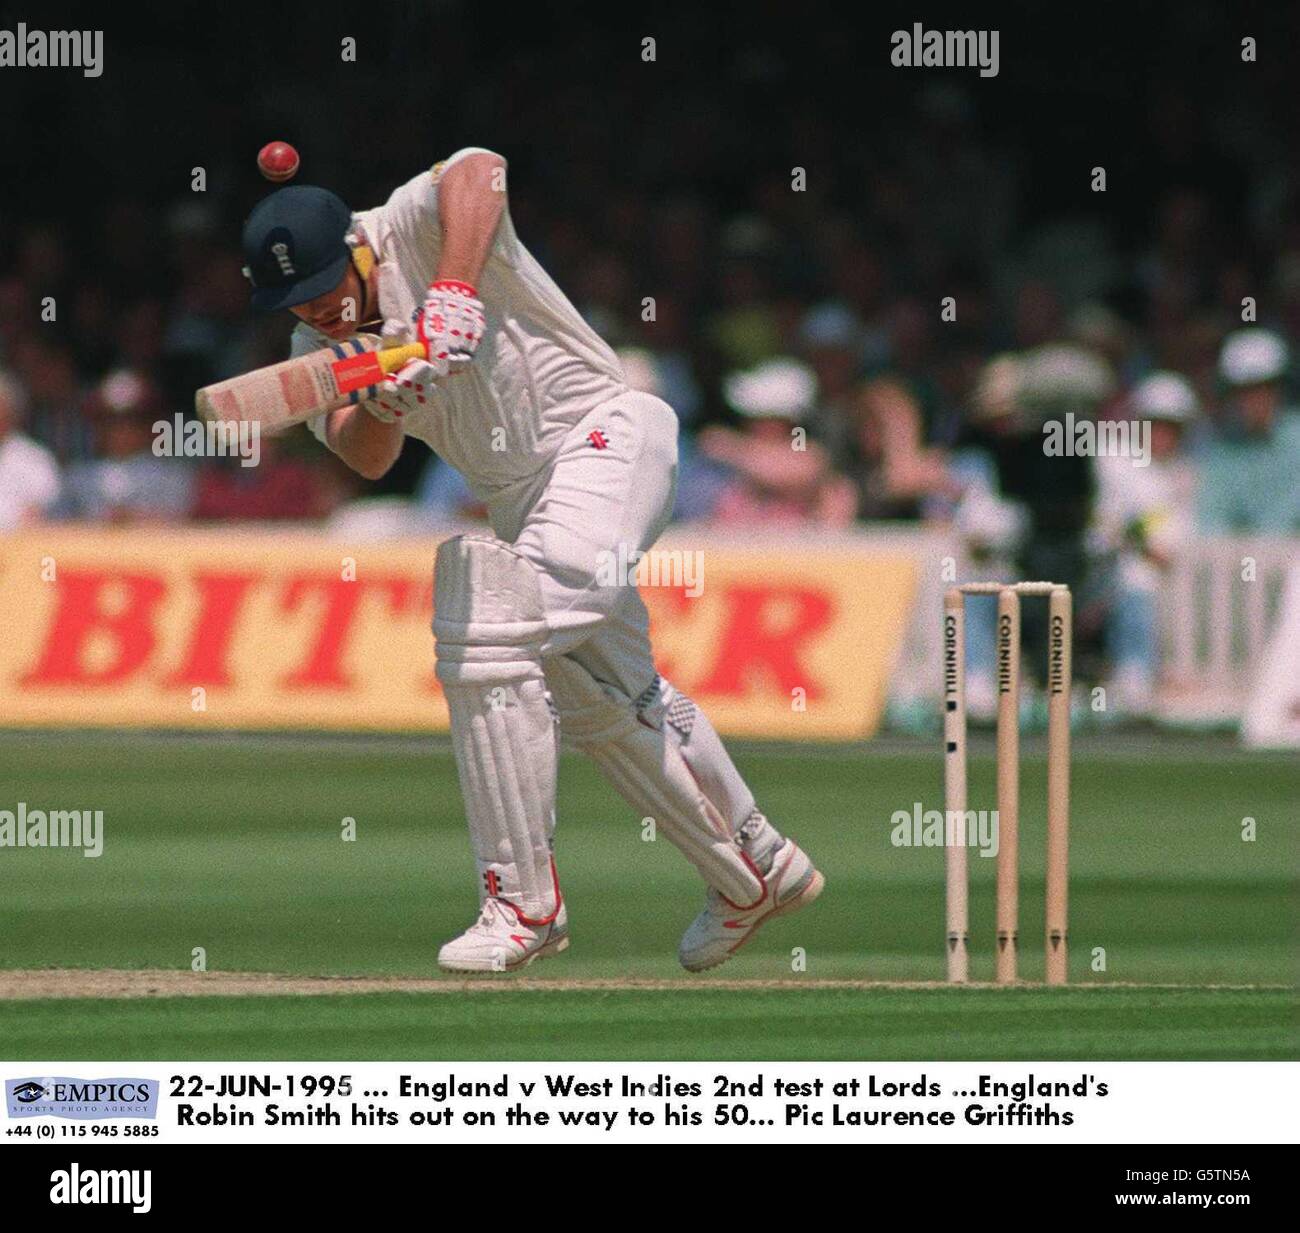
598,439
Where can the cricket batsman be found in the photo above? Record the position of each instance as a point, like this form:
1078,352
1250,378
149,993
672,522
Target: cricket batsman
518,393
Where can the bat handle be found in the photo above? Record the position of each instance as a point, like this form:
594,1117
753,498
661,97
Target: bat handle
398,357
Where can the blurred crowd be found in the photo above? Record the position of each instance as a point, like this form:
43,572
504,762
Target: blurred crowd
815,414
884,340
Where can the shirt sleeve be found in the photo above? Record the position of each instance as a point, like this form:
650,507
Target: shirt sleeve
427,190
417,200
439,168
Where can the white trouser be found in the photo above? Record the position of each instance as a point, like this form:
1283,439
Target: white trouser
607,495
571,520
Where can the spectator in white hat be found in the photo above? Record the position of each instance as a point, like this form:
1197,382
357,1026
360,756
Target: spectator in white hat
1144,514
778,474
29,476
1248,476
128,483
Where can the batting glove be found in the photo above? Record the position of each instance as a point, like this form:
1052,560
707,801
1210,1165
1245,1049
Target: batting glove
408,389
450,324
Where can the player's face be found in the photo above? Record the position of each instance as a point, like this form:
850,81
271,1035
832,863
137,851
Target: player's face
337,313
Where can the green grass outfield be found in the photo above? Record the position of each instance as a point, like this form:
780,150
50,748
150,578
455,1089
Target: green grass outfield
233,845
684,1025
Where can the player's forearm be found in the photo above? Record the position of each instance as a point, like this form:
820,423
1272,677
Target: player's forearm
367,445
471,200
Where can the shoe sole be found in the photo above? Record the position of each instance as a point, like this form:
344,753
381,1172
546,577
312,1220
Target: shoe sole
806,896
542,952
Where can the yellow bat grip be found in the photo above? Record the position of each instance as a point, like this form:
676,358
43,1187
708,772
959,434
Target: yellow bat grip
396,357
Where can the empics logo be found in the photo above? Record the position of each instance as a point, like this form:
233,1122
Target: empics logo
81,1099
123,1187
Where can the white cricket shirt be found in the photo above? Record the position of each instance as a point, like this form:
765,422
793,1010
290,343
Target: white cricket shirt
538,371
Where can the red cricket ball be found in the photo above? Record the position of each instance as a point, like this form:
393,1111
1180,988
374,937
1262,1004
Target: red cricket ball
278,161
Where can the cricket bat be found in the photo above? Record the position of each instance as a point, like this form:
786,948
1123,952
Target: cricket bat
294,391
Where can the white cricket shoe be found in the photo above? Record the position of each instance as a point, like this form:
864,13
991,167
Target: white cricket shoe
500,941
721,929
